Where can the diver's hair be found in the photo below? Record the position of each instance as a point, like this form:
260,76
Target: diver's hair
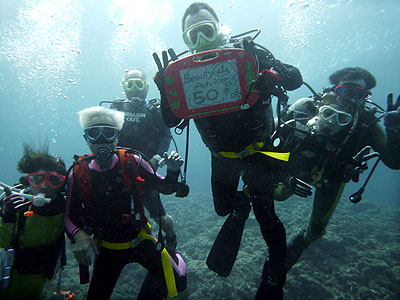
348,104
34,160
194,8
101,115
353,73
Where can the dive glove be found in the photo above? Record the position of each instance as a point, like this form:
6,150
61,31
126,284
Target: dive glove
12,204
174,161
358,164
267,80
169,118
159,77
392,116
84,248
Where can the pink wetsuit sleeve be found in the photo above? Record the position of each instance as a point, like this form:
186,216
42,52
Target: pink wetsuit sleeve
70,227
147,167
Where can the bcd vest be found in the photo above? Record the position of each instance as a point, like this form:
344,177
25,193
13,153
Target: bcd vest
132,182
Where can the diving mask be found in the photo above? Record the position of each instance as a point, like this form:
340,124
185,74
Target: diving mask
328,113
203,36
53,180
134,84
108,133
355,92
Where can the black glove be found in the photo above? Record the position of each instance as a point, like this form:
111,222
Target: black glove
358,164
299,187
392,116
12,204
247,43
169,118
267,80
159,77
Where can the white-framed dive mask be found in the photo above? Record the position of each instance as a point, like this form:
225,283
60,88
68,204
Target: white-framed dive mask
202,36
328,113
330,121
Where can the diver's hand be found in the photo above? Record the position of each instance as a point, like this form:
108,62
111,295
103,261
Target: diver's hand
169,118
157,162
174,161
358,164
267,80
84,248
392,116
248,43
159,77
299,187
12,204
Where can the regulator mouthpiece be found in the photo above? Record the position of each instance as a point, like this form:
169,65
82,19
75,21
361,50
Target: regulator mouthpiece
103,154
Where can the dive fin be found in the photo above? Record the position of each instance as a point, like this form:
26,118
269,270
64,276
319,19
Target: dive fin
223,253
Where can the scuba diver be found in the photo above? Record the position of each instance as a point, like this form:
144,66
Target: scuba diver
32,225
236,141
145,131
104,199
330,138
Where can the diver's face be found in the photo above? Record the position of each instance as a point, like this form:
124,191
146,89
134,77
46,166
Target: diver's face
136,90
332,119
201,31
102,141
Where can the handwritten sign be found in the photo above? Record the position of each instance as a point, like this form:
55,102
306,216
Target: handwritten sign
211,84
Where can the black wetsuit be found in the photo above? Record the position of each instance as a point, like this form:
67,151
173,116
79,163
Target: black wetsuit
144,128
233,132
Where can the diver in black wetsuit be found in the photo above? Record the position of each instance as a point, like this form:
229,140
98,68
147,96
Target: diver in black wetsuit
227,136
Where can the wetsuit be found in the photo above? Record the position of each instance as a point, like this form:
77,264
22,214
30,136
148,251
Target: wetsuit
107,212
37,251
320,161
233,132
144,130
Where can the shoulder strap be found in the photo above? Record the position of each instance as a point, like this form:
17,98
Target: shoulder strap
81,172
129,171
128,164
